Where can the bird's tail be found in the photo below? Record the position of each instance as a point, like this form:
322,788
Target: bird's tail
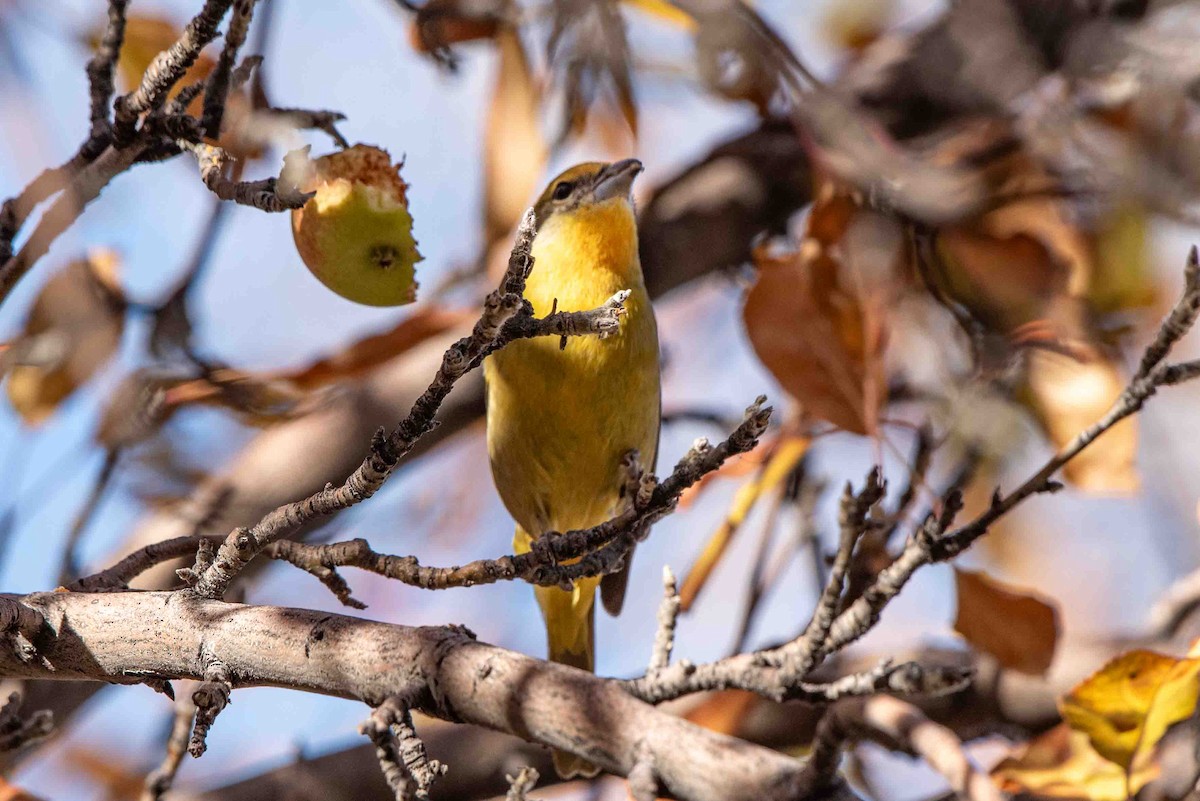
570,634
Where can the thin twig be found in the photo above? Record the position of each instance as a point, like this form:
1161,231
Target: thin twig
210,699
16,731
216,94
548,563
102,65
409,772
899,726
269,194
159,781
519,786
85,186
68,569
668,615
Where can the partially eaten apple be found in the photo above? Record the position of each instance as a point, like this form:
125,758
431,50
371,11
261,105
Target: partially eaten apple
355,234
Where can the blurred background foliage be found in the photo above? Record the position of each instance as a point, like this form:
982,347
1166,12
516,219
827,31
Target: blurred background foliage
935,234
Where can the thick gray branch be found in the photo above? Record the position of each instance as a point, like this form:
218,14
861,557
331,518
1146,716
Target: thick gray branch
127,637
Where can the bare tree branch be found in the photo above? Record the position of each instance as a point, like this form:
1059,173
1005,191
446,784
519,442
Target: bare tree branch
167,68
899,726
159,781
135,635
668,615
520,785
102,66
17,731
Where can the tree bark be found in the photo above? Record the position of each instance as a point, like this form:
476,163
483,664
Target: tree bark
127,637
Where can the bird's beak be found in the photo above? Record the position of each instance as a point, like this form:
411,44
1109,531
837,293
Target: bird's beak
616,180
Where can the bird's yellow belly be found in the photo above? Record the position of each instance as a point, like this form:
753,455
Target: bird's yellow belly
560,422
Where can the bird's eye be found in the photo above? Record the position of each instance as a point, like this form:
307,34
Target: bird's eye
562,190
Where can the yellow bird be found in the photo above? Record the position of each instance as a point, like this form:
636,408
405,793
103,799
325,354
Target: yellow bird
560,421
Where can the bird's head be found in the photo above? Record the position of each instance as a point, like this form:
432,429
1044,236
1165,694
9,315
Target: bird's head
588,188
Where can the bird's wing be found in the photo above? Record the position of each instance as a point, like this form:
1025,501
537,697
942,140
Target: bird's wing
613,586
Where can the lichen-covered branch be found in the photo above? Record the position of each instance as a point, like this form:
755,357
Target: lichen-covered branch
668,615
167,68
598,550
520,785
409,772
209,699
780,672
269,195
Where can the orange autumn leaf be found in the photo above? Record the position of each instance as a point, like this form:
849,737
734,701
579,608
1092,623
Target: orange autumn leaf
1018,629
441,23
1016,263
816,320
10,792
268,397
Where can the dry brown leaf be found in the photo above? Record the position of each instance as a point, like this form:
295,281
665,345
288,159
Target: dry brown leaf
145,401
1014,264
1067,396
590,61
104,771
855,24
441,23
817,318
514,150
73,329
1018,629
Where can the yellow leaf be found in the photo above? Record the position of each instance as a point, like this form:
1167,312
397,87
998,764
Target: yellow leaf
1126,706
1062,764
1019,630
783,459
